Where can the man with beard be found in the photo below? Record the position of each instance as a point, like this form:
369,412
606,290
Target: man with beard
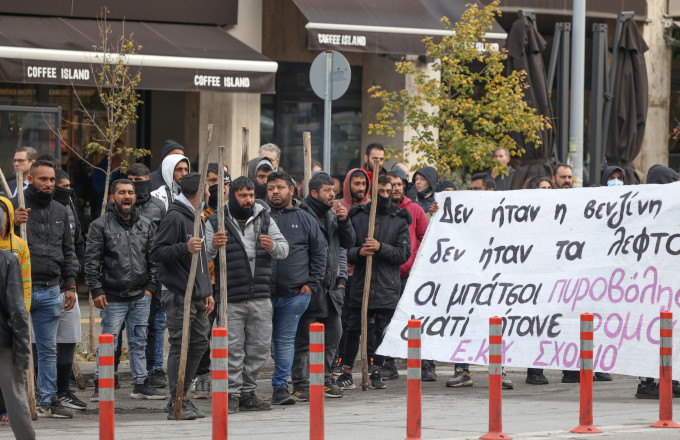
262,170
416,231
53,262
154,210
374,152
252,241
296,279
174,168
563,176
122,279
173,250
390,248
70,329
325,307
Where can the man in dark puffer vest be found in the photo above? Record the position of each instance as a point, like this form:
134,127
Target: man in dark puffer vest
252,240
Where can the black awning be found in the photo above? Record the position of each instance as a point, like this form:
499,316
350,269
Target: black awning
178,57
382,26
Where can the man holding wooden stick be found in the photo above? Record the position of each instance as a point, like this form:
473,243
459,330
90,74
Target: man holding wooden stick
390,247
173,250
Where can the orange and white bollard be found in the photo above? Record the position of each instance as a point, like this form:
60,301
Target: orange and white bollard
317,375
495,381
666,373
414,384
220,395
586,412
106,388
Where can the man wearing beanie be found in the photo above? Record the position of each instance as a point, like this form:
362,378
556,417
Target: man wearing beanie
53,261
170,147
252,240
172,251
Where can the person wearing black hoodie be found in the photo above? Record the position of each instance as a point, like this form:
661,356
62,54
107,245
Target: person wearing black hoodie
154,210
173,250
170,147
390,248
53,262
613,176
425,181
659,174
325,307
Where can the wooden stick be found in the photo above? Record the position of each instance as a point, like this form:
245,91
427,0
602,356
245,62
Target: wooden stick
222,251
307,144
244,152
93,326
31,369
190,284
5,186
367,280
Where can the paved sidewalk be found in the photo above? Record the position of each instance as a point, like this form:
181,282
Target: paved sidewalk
529,412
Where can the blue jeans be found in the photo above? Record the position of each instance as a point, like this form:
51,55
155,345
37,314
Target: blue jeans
287,313
161,324
46,307
135,314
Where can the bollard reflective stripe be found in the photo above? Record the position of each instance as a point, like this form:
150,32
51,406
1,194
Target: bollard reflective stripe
220,381
495,381
414,384
666,372
316,381
106,383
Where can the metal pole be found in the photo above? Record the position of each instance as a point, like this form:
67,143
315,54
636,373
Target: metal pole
577,91
327,112
597,100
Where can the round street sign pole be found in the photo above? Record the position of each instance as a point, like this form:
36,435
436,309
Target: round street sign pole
329,77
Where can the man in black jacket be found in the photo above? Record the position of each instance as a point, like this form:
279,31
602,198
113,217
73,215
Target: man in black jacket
297,278
173,251
325,307
14,353
154,210
122,279
53,262
390,248
252,241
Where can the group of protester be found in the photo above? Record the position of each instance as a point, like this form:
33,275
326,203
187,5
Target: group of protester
292,259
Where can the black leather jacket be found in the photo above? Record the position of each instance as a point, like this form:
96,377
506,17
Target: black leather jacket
13,316
117,257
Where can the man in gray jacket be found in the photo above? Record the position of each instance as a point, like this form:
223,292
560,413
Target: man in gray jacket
14,354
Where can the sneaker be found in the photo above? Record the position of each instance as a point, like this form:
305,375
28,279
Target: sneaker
281,396
70,400
301,394
571,378
332,390
537,379
337,369
187,411
602,377
203,386
389,371
506,383
460,379
647,390
233,404
146,391
427,373
55,409
250,402
199,414
345,381
95,395
375,381
157,378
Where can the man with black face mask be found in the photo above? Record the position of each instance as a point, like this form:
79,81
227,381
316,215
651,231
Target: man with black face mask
390,248
154,210
262,170
53,262
252,240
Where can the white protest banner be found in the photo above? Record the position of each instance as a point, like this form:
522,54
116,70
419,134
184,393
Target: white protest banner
538,259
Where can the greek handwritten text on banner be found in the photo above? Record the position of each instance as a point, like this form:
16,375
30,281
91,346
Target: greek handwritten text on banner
538,259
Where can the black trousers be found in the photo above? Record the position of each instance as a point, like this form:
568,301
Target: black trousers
382,318
333,332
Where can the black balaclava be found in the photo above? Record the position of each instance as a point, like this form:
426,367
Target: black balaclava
236,210
212,200
38,196
142,189
384,203
62,195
